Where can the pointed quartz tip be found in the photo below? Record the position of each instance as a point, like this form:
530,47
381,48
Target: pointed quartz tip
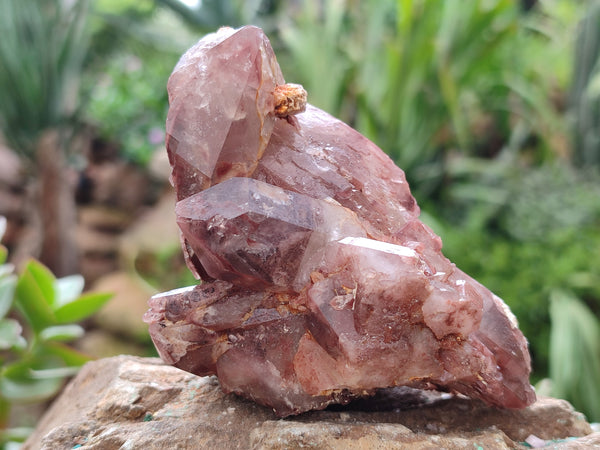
289,99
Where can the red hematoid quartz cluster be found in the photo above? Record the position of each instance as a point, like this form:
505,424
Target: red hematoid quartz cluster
319,282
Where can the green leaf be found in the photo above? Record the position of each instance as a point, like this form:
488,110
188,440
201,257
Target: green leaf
29,389
71,357
575,352
81,308
7,292
35,295
62,333
43,277
67,289
17,384
10,334
3,222
3,254
57,372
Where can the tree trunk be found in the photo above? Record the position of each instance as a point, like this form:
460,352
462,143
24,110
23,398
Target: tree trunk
56,206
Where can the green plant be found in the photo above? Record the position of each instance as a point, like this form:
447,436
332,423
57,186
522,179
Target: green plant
439,63
37,318
585,90
575,353
128,103
42,52
317,36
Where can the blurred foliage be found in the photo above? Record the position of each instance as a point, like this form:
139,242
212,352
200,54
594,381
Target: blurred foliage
128,104
37,315
436,70
585,91
549,200
124,85
42,50
575,352
317,37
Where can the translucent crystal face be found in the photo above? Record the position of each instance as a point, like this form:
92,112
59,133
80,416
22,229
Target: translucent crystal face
254,233
220,98
320,284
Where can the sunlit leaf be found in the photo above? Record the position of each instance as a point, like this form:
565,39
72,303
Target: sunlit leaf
67,289
43,277
7,292
35,294
62,333
10,334
83,307
57,372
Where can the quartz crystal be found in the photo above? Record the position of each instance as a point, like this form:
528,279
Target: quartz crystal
319,282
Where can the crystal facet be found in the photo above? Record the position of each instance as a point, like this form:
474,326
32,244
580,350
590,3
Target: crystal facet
320,284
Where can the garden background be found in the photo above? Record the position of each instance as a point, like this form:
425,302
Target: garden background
491,107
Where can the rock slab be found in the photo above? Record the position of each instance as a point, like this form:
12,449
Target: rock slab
128,402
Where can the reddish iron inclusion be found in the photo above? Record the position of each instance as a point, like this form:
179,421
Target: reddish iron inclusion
320,284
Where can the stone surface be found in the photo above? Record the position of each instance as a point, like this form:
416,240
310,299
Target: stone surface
97,234
120,316
153,232
320,284
99,343
132,402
